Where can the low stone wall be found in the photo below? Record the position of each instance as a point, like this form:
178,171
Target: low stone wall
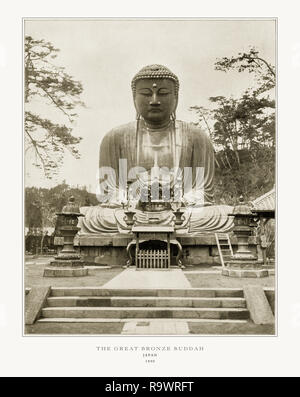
111,250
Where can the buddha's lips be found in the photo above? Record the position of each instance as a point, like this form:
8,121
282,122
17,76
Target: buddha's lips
156,110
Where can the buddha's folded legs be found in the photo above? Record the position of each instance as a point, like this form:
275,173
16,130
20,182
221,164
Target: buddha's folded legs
97,220
109,221
211,219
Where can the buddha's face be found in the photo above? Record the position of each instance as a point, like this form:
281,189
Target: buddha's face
155,99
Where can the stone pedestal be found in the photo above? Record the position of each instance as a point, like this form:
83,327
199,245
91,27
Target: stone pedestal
111,250
68,262
65,268
244,270
244,263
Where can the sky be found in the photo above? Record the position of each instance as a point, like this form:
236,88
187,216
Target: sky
105,54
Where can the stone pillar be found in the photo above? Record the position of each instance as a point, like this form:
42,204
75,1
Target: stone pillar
68,262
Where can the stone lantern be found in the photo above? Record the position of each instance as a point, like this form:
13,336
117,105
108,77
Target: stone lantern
243,263
67,263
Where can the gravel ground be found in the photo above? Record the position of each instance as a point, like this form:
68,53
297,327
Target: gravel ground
34,269
217,280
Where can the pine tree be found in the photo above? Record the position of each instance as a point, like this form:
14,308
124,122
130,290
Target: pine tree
44,80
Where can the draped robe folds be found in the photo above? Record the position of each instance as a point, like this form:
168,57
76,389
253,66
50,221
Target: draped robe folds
191,148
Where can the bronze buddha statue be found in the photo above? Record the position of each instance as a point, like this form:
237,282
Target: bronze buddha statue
156,144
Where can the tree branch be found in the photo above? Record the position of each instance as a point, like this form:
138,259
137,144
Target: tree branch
55,103
35,145
265,62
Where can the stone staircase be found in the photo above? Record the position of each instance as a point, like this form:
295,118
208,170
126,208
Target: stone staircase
100,305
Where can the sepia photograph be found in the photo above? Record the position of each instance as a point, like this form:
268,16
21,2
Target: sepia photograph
149,162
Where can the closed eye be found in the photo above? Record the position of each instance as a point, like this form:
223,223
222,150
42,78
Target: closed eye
163,91
145,92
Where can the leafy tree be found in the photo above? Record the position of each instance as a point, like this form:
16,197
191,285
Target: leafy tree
253,63
242,123
41,204
33,213
243,131
45,80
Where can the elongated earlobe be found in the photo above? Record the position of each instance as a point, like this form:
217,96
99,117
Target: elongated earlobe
173,114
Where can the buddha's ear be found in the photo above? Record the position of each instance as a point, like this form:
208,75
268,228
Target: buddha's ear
138,116
176,104
134,101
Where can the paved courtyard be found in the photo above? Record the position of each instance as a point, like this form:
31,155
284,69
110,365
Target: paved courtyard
194,276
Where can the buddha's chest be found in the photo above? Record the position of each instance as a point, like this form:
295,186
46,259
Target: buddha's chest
155,148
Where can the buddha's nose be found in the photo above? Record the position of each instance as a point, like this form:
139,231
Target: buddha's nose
154,101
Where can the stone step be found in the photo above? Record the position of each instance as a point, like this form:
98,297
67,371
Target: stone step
145,312
126,320
184,292
123,301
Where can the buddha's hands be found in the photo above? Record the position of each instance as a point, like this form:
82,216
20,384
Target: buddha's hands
111,205
188,201
194,198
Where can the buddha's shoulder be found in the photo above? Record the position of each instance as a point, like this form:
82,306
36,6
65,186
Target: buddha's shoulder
120,131
192,130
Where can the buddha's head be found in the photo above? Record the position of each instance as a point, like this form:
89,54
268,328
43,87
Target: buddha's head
155,93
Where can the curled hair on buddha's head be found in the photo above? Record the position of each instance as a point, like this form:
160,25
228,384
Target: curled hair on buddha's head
155,72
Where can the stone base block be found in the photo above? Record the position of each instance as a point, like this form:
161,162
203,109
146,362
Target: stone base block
245,265
65,271
67,263
111,250
245,273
